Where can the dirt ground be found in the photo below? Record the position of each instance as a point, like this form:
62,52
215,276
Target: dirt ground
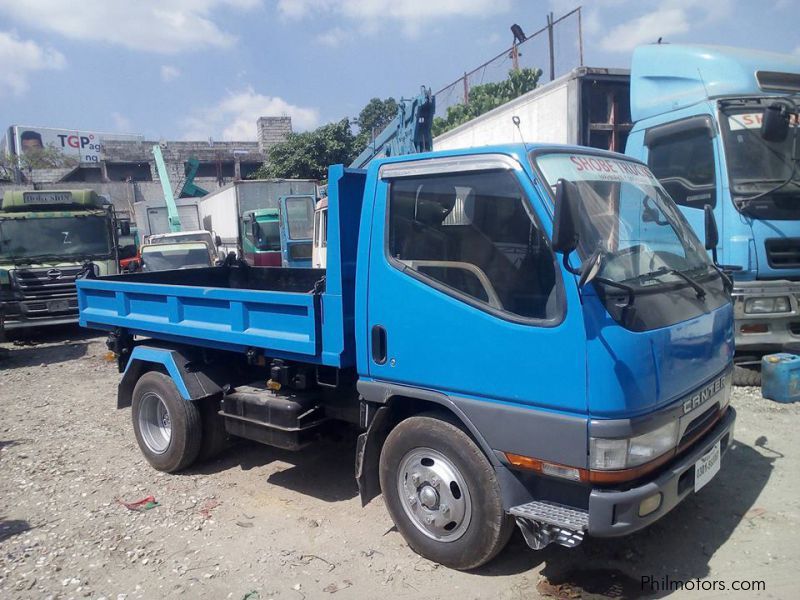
261,523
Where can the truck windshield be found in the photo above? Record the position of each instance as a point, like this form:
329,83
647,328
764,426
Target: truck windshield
269,236
754,164
164,257
300,217
629,218
68,237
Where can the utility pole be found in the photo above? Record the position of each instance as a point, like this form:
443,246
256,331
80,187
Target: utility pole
550,42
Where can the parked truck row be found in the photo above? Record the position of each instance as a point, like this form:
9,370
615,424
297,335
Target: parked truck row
529,334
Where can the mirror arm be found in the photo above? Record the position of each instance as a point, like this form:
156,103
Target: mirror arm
567,266
620,286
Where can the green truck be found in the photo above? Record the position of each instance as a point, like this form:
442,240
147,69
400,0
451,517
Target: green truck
47,239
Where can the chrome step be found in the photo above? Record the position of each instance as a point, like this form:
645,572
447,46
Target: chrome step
553,514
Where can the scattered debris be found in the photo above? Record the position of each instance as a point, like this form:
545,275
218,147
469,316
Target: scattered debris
208,506
332,588
147,503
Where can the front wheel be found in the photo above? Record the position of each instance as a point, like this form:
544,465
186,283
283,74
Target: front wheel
168,429
442,493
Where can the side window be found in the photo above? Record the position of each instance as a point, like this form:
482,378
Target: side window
471,235
684,164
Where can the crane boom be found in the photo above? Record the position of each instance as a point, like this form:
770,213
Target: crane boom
169,198
410,132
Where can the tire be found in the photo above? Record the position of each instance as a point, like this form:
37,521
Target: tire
746,376
442,493
169,429
215,438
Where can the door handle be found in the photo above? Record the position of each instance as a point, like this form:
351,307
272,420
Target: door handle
379,344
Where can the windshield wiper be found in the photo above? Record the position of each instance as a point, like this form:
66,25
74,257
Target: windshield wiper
701,293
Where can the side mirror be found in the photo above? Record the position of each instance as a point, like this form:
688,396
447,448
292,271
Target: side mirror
711,231
775,123
125,228
565,234
217,240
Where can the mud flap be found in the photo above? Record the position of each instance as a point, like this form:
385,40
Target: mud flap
368,452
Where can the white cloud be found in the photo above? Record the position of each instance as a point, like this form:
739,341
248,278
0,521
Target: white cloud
19,58
234,117
168,73
121,122
162,26
646,29
412,15
333,38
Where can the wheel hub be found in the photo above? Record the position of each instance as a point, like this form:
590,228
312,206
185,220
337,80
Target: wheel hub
155,426
428,497
434,494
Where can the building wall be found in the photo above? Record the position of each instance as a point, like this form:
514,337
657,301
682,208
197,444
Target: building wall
271,131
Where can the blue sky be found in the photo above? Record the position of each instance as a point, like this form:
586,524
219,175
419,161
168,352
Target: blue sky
194,69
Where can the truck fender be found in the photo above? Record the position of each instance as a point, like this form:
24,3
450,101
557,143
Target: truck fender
192,384
385,417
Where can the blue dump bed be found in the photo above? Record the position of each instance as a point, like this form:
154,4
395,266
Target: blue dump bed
210,312
298,314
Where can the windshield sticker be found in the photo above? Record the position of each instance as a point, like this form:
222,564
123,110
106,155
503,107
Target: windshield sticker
583,167
751,121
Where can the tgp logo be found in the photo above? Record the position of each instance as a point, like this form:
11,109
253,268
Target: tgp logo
76,141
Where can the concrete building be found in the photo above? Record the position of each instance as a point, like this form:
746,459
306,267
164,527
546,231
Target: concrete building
124,170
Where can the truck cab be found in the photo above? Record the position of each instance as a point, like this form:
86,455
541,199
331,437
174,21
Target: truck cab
47,239
297,230
261,237
698,113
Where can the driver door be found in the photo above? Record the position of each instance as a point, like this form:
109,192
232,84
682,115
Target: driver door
465,295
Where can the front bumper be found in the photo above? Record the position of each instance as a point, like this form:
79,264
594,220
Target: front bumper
16,315
780,328
616,513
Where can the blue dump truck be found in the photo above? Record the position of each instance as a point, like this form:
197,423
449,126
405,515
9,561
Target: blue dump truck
694,114
527,335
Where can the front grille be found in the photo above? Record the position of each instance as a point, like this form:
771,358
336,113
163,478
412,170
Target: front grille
46,284
783,253
699,423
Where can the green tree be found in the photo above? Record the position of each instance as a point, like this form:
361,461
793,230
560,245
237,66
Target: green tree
485,97
372,119
307,155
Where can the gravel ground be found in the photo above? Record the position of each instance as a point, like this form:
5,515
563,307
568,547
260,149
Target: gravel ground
261,523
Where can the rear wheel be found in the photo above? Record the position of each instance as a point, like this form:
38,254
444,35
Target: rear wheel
168,428
442,493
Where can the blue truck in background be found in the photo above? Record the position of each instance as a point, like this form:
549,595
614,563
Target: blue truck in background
527,335
693,114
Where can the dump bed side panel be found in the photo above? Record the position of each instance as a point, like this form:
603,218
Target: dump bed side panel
283,324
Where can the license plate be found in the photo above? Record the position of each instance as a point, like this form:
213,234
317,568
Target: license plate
58,305
706,467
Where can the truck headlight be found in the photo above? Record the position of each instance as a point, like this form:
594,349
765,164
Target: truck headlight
761,306
608,454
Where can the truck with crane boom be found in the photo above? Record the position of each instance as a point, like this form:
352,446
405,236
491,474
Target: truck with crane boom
697,116
525,335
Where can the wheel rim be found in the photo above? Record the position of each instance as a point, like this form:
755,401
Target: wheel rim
154,423
434,494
